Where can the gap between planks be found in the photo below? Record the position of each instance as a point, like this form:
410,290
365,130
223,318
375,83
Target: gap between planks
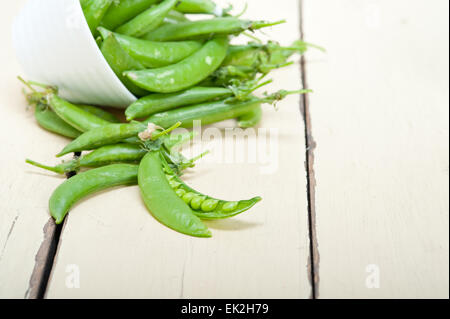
314,256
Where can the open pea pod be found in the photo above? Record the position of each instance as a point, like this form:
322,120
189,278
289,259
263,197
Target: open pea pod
203,206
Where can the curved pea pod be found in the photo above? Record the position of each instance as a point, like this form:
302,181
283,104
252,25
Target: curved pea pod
123,11
162,201
51,122
184,74
104,115
102,136
207,113
206,207
156,103
154,54
199,6
72,114
94,11
120,61
148,20
251,118
204,29
87,183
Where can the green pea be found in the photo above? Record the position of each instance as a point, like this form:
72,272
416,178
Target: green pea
180,192
197,202
230,206
188,197
174,184
209,205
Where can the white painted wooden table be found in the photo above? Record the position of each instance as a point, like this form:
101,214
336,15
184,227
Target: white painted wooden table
364,174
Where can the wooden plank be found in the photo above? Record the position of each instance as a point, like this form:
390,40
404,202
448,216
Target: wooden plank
380,121
24,191
116,249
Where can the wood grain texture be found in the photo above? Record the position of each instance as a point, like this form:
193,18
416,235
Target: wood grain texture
120,250
380,121
24,191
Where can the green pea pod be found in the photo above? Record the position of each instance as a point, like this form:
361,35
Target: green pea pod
94,11
50,121
154,54
123,11
252,118
104,115
207,113
206,207
205,29
106,135
120,61
163,202
73,115
213,112
198,6
184,74
148,20
156,103
87,183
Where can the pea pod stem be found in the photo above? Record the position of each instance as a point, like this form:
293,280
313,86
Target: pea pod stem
165,132
56,169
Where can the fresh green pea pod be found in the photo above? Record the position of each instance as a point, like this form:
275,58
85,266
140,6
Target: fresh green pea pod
104,115
206,207
51,122
184,74
205,29
74,115
120,61
106,155
94,11
87,183
162,201
156,103
252,118
105,135
124,10
207,113
154,54
148,20
198,6
214,112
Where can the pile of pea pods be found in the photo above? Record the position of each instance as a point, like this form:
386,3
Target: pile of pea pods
182,68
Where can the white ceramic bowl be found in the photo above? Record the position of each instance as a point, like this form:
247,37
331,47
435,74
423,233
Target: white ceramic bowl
54,46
